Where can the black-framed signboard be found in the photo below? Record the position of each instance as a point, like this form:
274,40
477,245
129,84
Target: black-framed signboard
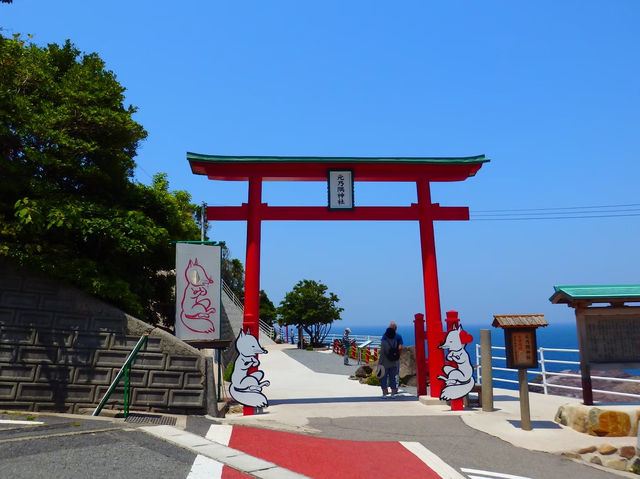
340,189
521,347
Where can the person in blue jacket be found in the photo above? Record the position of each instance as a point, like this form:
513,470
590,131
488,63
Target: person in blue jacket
390,341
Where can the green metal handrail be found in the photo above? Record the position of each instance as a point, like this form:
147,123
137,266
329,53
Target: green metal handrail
124,371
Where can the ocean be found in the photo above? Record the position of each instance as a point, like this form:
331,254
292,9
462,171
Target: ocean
554,336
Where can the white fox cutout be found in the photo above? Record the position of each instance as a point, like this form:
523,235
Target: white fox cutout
246,388
458,380
196,310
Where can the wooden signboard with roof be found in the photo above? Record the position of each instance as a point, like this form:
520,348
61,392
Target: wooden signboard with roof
522,352
608,336
520,338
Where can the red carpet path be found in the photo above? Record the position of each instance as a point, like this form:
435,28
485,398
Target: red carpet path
327,458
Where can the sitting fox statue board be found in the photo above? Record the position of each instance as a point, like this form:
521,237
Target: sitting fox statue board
246,388
458,380
196,310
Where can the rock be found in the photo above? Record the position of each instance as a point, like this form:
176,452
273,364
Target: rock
573,416
363,371
587,450
627,451
607,449
562,416
407,362
609,423
571,455
618,464
635,466
596,460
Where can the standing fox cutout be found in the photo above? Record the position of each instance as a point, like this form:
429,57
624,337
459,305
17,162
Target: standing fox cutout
458,380
195,309
246,388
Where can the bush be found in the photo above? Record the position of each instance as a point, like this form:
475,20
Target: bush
227,372
309,348
373,380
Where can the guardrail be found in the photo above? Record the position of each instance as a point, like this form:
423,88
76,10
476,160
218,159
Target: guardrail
545,373
124,372
264,327
358,338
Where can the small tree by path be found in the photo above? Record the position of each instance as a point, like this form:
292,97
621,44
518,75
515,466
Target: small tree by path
312,307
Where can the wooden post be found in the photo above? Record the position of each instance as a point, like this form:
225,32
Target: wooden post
487,370
431,289
585,367
525,415
421,361
252,266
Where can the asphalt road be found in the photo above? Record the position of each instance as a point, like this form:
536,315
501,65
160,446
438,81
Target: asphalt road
78,447
83,447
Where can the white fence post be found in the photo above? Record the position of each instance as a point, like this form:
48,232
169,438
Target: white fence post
543,370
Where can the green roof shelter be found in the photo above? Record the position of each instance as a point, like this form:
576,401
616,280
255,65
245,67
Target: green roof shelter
608,327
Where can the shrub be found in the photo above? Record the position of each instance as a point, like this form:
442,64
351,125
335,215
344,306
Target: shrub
373,380
227,372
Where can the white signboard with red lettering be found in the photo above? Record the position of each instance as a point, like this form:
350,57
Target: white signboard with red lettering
198,291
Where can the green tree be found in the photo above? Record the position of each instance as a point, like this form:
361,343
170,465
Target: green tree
268,312
311,307
68,205
232,273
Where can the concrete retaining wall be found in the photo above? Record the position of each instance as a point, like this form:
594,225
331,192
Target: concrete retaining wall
60,349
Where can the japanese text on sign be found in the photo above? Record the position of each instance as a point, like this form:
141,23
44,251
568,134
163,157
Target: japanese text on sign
340,189
523,350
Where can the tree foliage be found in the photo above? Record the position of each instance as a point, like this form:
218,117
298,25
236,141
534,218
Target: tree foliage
311,307
68,205
232,273
268,312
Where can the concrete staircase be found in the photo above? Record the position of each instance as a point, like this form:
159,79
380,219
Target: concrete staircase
235,314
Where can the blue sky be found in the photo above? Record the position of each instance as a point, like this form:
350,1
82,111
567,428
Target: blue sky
548,90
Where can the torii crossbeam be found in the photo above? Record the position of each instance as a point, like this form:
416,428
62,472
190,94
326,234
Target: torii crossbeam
422,171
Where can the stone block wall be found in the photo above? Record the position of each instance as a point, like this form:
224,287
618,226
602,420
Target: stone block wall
60,349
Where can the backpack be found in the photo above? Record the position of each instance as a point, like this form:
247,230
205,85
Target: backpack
394,352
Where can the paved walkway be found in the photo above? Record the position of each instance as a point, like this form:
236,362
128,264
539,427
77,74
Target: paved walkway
298,393
312,387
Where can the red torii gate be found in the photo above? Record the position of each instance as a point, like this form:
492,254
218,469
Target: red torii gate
422,171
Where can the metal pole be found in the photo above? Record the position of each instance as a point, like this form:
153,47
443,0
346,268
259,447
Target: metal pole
202,216
487,371
525,415
218,357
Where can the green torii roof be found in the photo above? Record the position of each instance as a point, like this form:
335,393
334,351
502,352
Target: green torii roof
596,293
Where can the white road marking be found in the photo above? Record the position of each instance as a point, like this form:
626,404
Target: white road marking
205,468
220,433
489,474
11,421
432,461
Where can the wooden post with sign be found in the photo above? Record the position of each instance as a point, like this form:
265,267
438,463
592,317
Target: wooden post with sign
522,352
